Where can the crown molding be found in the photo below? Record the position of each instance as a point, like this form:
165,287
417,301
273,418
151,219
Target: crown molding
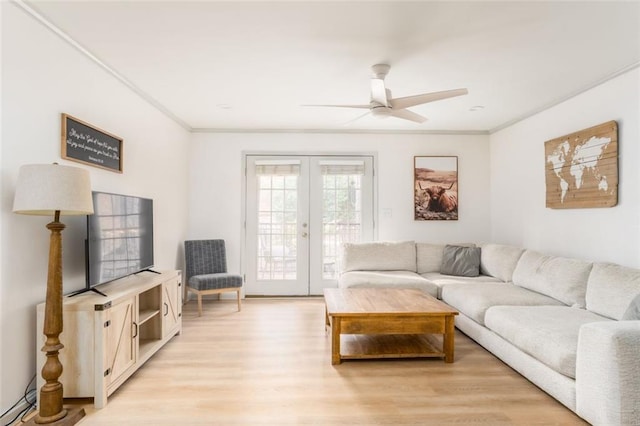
29,9
565,98
342,131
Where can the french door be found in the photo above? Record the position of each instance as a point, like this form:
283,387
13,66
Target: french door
299,210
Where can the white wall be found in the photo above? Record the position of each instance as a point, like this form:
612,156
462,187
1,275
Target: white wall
518,212
2,405
216,181
42,77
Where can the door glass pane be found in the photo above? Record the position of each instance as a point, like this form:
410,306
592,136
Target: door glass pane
277,227
341,217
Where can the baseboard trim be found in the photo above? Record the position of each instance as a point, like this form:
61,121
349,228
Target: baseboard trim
11,414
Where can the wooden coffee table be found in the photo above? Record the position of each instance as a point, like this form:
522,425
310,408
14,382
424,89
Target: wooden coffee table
388,323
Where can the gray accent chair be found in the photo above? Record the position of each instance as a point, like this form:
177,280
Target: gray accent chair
206,264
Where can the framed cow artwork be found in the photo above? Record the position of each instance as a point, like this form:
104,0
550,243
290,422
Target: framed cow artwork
435,186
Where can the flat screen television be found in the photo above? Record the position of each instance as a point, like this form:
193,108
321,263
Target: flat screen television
119,238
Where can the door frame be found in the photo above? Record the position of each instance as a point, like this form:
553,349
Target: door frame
243,172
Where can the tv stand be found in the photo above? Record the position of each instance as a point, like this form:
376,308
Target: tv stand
106,339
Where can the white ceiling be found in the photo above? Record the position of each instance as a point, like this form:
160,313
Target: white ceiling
251,65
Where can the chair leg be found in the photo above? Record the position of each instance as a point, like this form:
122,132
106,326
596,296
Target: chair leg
199,304
239,302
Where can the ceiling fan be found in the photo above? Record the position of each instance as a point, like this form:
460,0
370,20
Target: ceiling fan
383,105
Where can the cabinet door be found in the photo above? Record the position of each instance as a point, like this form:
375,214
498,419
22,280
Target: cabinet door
171,305
121,334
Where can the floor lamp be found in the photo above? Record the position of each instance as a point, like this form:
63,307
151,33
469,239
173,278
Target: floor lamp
53,190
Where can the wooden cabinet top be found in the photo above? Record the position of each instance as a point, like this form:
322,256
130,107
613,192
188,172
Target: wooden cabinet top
118,290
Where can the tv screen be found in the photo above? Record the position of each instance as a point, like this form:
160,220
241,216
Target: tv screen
119,237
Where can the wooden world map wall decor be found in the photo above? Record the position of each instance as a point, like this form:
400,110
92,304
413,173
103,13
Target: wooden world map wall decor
582,168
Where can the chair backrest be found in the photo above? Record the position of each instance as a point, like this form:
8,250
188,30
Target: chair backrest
205,257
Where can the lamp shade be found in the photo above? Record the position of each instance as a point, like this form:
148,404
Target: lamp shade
44,188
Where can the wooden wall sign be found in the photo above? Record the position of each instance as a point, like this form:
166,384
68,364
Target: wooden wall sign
87,144
582,168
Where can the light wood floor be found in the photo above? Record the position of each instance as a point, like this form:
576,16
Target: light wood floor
271,365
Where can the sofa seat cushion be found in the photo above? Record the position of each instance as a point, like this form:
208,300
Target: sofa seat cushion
387,279
379,256
562,278
441,280
547,333
473,300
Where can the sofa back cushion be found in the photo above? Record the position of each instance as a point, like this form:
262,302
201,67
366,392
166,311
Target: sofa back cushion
611,289
499,261
632,313
562,278
379,256
429,256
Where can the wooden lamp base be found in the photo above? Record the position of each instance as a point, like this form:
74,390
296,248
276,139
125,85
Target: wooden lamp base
51,394
73,416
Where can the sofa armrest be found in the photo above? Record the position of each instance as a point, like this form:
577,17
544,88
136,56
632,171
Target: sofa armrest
608,373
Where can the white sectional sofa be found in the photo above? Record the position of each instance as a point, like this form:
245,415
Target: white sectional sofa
569,326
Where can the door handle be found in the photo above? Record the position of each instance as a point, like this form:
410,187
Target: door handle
305,235
135,324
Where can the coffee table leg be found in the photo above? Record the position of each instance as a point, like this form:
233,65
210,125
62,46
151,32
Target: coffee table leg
335,341
449,334
327,323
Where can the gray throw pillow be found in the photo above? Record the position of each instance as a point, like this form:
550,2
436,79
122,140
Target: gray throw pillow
461,261
633,311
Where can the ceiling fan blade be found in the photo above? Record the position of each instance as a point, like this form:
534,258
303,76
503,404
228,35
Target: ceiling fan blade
346,123
338,106
378,92
407,115
409,101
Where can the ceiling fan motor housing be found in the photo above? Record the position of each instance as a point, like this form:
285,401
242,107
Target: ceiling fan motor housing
375,104
380,71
